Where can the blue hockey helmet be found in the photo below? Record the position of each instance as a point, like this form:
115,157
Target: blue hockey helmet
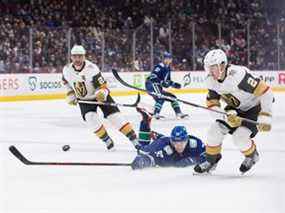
167,55
178,134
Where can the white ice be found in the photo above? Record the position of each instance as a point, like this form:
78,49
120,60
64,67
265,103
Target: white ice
40,128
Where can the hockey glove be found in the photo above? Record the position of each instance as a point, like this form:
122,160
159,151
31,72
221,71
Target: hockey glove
265,122
142,161
175,85
101,94
166,84
233,119
71,98
184,162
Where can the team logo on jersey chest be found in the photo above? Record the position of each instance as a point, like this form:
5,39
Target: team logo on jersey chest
80,89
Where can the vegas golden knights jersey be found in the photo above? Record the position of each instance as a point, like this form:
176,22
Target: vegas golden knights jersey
83,82
239,89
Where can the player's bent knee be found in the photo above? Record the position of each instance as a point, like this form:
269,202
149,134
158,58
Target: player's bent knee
93,120
215,135
241,138
117,120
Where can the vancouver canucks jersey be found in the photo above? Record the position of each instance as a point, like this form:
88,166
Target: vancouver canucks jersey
164,153
161,75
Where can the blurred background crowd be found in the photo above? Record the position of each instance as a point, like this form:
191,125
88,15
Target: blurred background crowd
36,35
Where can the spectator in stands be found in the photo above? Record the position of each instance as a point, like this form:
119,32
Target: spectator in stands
46,26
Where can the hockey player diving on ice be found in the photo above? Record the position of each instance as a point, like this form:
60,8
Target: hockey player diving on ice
160,78
245,96
178,150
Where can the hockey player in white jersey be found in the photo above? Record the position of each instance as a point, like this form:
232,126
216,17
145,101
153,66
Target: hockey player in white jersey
246,97
84,81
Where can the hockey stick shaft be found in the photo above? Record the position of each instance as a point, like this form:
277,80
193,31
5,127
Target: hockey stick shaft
24,160
117,76
112,104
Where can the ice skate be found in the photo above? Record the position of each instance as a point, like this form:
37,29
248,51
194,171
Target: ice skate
207,166
249,161
181,115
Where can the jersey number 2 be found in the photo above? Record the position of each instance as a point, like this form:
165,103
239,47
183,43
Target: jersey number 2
252,82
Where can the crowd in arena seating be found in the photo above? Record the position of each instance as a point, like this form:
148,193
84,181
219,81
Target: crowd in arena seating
35,36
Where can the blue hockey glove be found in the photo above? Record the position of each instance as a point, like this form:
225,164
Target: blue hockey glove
166,84
175,85
185,162
142,161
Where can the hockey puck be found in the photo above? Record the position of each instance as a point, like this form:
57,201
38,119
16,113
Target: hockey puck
65,148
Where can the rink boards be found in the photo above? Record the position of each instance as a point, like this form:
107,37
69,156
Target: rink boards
17,87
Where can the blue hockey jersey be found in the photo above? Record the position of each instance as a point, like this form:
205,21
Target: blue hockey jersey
165,155
161,75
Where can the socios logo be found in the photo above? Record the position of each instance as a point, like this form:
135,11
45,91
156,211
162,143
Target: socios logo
32,82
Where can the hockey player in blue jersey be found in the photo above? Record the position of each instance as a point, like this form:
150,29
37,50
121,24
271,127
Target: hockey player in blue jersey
160,78
178,150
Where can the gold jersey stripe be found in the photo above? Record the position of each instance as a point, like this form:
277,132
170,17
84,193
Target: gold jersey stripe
126,129
265,114
103,86
250,150
213,150
261,88
212,103
71,92
101,132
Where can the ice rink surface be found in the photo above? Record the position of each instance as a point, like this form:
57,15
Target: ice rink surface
40,128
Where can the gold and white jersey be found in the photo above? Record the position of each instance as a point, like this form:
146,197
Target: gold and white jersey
239,89
83,83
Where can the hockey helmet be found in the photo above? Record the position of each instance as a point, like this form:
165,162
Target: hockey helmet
179,134
216,56
213,61
78,50
167,55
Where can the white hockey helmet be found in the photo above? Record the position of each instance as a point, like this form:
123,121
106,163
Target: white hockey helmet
78,50
216,56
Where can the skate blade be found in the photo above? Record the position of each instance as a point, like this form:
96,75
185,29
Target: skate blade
113,149
202,174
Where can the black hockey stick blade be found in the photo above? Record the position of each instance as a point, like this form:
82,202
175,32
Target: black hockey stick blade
118,77
137,101
19,155
24,160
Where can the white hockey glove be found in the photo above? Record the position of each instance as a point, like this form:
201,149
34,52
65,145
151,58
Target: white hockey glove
71,98
265,122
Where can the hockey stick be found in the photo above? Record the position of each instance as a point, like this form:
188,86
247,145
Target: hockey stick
112,104
117,76
24,160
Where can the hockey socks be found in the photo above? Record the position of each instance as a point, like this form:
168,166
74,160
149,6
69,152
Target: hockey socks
128,131
144,131
103,135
